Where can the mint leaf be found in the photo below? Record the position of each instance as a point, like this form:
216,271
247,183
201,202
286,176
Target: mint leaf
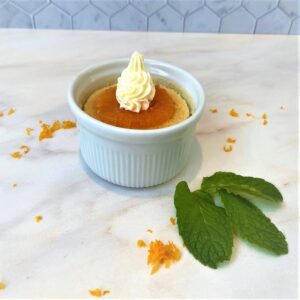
250,188
252,225
203,226
203,195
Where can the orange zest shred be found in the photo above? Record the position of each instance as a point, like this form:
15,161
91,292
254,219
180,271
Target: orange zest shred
68,124
10,111
150,230
1,114
227,148
141,244
55,126
16,154
98,292
264,116
173,221
48,130
250,115
28,131
214,110
14,185
265,122
162,254
25,148
38,219
231,140
233,113
2,285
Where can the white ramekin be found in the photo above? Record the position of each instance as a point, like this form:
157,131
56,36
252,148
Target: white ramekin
129,157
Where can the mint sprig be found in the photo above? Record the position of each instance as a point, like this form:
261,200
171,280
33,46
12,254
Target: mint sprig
206,228
250,188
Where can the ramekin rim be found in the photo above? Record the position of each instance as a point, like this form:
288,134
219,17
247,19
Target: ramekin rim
79,113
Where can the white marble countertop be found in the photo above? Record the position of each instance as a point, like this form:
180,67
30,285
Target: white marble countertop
88,235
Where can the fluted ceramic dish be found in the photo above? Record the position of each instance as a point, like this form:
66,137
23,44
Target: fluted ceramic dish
130,157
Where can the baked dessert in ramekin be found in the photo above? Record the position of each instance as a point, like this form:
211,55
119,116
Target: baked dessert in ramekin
135,151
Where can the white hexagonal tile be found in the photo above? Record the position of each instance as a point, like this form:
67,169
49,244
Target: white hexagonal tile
223,8
239,21
260,7
10,16
91,18
166,19
71,6
276,22
290,7
148,7
202,20
110,7
295,29
186,7
52,17
129,18
29,5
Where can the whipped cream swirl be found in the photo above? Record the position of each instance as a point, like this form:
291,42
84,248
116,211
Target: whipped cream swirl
135,88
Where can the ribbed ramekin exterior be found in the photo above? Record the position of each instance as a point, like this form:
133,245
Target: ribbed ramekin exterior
129,157
134,165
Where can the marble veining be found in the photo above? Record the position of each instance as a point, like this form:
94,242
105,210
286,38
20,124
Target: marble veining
88,236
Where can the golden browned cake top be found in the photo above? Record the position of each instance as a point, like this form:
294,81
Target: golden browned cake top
167,108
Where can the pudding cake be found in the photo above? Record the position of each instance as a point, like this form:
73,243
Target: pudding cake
135,102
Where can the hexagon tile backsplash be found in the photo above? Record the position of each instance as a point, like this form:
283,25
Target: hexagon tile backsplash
224,16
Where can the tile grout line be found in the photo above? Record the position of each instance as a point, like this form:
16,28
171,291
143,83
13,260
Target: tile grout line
32,16
218,16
